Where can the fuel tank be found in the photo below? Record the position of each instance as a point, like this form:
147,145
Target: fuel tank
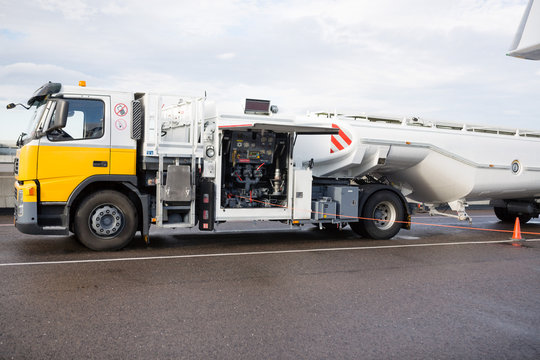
431,162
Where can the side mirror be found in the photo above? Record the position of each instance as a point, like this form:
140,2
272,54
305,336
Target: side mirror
60,115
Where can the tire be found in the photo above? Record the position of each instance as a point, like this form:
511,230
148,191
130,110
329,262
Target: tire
508,217
105,221
387,208
503,215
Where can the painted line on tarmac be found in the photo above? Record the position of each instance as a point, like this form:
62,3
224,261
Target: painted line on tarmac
446,217
251,253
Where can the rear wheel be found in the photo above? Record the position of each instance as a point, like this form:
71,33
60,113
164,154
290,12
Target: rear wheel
509,217
383,213
105,221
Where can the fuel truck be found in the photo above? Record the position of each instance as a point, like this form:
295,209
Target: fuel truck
105,165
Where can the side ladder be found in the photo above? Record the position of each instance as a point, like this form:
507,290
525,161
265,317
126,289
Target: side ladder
178,163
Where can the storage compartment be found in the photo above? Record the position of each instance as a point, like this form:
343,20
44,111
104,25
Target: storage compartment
346,198
324,209
302,194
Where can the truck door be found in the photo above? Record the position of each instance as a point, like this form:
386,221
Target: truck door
79,150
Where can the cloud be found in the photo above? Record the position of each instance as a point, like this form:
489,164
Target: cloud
26,71
11,35
341,18
19,80
226,56
70,9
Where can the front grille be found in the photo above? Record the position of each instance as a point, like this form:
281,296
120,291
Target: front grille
16,166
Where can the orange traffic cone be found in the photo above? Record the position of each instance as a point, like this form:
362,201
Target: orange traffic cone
516,236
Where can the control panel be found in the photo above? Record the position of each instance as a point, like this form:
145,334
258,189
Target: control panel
252,147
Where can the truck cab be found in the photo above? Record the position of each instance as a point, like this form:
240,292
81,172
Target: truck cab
79,139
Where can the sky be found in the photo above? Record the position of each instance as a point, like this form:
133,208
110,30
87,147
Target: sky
434,59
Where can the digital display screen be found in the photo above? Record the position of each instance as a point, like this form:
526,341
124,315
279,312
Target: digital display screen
254,106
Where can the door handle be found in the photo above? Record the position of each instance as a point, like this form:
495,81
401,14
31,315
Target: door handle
100,164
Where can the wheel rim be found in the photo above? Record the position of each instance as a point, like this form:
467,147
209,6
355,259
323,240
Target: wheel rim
385,215
106,221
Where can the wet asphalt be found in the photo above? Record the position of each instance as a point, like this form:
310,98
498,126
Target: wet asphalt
266,291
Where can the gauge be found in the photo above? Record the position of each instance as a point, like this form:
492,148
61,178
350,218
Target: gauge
246,144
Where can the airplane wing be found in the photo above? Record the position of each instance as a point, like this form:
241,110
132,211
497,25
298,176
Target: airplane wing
526,43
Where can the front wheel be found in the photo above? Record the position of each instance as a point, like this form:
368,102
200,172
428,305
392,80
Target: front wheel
105,221
383,213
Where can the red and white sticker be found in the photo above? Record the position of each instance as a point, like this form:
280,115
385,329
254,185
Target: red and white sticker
340,141
120,109
120,124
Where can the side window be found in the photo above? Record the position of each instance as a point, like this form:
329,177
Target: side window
85,121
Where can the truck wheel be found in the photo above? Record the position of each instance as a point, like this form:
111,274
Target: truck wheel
505,216
105,221
386,209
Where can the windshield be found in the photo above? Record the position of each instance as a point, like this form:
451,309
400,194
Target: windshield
30,133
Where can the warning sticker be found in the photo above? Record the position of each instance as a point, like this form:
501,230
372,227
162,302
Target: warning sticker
120,124
120,109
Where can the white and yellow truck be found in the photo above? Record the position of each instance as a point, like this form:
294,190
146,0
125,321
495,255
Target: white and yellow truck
106,164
